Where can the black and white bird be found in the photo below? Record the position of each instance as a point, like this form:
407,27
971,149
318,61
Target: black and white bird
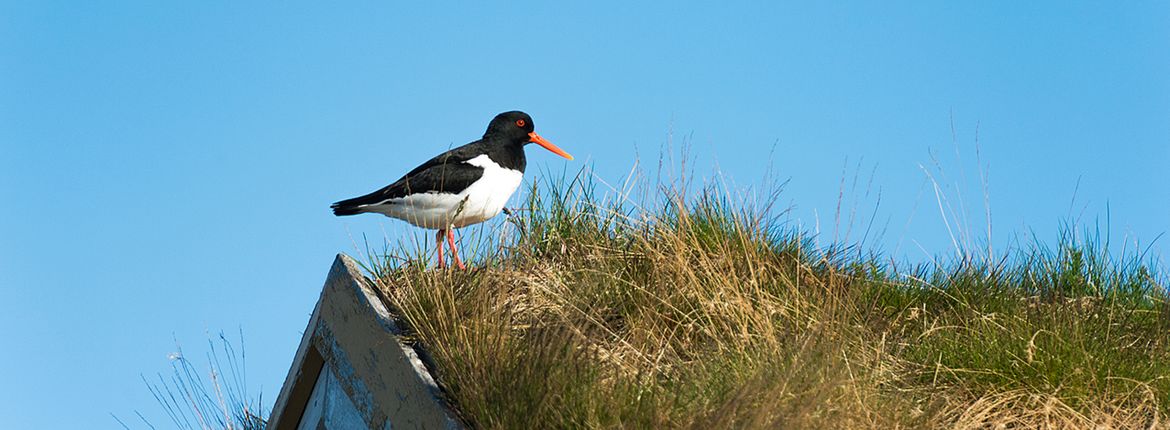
464,186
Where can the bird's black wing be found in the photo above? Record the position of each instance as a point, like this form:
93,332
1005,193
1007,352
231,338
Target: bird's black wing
447,172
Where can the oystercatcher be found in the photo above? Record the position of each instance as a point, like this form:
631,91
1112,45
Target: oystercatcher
466,185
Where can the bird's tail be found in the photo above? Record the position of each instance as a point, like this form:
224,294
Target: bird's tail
347,207
358,205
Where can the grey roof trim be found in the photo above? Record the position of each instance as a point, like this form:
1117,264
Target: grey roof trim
352,333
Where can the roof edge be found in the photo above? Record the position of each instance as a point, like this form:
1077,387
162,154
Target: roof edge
352,334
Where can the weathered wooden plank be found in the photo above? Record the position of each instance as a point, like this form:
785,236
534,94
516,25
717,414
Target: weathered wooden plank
354,337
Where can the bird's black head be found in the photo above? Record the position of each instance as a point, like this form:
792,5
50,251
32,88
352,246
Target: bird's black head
512,125
516,127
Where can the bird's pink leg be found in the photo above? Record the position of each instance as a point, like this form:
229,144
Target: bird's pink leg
439,246
454,251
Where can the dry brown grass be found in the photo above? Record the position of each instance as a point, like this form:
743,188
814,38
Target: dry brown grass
699,314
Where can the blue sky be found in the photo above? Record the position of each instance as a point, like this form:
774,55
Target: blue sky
166,169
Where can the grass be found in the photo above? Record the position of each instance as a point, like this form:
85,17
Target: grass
702,311
214,398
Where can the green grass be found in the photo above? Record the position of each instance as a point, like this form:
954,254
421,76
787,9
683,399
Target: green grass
207,397
704,311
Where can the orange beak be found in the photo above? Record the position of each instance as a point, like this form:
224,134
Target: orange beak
548,145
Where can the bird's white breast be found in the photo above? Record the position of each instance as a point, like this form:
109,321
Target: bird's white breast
486,197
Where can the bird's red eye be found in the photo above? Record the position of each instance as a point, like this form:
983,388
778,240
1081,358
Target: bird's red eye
519,123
